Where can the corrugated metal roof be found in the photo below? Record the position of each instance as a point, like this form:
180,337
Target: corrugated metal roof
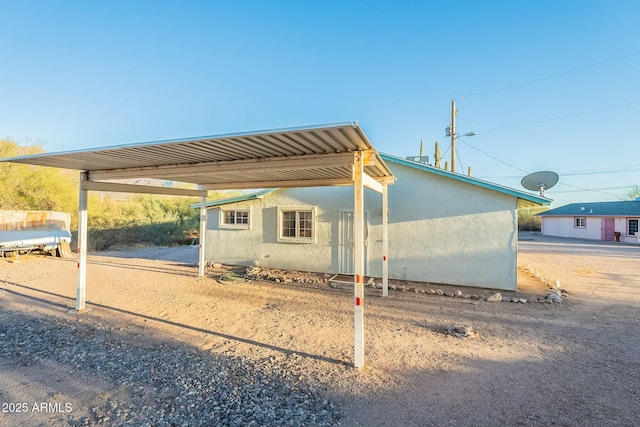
524,199
240,160
629,208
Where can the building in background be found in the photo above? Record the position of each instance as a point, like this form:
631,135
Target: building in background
596,221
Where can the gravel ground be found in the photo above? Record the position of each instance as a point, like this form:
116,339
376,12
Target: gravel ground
162,384
158,347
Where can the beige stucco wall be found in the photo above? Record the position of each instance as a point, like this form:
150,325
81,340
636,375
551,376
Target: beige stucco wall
440,231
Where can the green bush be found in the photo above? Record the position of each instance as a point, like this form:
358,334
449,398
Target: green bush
157,234
527,221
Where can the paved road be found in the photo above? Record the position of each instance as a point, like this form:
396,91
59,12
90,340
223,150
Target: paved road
530,242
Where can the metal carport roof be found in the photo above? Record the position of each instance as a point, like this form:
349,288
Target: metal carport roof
297,157
339,154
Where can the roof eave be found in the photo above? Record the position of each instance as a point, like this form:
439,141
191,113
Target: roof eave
524,199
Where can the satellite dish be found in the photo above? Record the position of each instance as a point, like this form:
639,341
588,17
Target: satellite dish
541,181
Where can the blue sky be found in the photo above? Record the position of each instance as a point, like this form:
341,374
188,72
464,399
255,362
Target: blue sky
547,85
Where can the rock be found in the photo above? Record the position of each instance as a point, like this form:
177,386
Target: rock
497,297
522,300
370,281
431,291
439,292
393,287
533,300
458,294
466,296
506,298
414,290
462,331
554,291
554,298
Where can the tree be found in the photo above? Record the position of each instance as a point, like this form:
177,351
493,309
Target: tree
32,187
631,193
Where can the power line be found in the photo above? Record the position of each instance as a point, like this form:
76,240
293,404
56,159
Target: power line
493,157
605,171
576,188
562,117
552,75
590,190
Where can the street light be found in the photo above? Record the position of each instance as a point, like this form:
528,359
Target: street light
451,131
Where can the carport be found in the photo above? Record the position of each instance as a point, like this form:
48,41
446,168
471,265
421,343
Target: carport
326,155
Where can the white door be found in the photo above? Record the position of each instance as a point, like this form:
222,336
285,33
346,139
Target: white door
346,242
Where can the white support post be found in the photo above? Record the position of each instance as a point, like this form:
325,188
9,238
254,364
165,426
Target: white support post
81,286
385,240
358,279
203,236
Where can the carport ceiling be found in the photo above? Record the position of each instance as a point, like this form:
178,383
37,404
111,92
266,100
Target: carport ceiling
298,157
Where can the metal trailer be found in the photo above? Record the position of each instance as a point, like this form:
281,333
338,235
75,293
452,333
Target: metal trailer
26,231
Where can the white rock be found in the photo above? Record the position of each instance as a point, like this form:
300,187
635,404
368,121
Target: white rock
497,297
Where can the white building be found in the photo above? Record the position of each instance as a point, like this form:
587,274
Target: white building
444,228
595,221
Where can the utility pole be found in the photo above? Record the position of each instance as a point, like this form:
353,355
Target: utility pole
454,112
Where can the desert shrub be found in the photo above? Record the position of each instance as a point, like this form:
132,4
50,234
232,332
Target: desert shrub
527,221
157,234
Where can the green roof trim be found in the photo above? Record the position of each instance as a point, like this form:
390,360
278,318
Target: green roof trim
236,199
520,195
623,208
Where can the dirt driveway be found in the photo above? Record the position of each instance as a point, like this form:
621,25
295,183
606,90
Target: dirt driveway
574,363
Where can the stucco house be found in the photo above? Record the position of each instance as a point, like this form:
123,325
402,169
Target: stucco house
444,227
595,221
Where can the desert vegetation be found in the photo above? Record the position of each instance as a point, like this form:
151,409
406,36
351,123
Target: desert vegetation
115,220
527,221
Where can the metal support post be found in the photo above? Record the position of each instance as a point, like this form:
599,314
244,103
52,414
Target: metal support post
203,236
81,286
358,280
385,240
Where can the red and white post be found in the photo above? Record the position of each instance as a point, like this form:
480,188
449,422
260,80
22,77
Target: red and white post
358,285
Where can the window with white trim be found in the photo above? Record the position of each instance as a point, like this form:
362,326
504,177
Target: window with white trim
580,222
236,218
632,226
296,225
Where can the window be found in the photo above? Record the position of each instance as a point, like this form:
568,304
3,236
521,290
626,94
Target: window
581,222
239,218
296,225
632,226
